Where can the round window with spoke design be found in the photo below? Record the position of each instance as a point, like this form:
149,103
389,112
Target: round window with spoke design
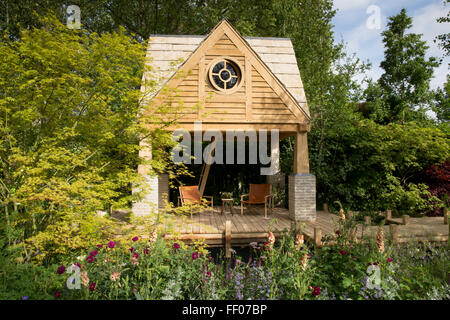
225,75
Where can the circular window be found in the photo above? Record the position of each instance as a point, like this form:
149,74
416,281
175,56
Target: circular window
225,75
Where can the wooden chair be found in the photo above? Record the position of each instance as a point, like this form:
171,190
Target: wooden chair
191,195
259,194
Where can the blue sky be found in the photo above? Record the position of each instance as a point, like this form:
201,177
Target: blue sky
351,27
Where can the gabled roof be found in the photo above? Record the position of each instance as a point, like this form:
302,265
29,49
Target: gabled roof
168,53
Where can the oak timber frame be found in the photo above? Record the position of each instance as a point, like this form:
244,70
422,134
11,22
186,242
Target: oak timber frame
261,102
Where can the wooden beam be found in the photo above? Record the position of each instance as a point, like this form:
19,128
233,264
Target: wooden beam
405,219
301,158
318,237
394,232
228,238
248,89
388,214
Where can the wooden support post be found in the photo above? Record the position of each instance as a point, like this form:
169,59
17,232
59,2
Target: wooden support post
228,238
388,214
350,215
318,237
325,207
301,158
367,220
394,232
405,219
446,217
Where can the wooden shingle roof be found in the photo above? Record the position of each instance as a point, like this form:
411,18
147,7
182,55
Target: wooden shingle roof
168,52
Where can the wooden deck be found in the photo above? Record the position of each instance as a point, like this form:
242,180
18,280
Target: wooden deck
253,227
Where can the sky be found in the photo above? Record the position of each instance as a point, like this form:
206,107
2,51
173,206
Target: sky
357,25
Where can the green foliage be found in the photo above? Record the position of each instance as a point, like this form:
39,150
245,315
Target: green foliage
405,83
36,283
71,135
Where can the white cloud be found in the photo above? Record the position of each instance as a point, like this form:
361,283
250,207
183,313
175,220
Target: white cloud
344,5
367,43
424,22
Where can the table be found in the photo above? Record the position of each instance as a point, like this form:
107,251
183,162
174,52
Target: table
230,204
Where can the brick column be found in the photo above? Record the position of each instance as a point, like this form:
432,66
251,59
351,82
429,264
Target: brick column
302,184
157,186
302,197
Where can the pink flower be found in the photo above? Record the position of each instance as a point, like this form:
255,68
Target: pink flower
92,286
194,256
77,264
136,255
131,249
111,244
93,253
99,246
114,276
57,294
343,252
135,239
61,269
90,259
208,273
389,260
176,246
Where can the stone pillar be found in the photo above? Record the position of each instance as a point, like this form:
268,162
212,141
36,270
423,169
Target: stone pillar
302,197
302,184
157,186
163,190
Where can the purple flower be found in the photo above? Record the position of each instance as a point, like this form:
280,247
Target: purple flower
90,259
176,246
99,246
389,260
131,249
57,294
343,252
24,297
194,256
77,264
61,270
92,286
93,253
136,255
135,239
146,251
111,244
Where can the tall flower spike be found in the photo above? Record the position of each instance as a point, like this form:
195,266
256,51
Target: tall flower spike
380,239
299,240
271,238
342,215
84,278
154,236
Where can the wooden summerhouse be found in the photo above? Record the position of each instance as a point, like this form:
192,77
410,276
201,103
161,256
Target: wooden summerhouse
243,83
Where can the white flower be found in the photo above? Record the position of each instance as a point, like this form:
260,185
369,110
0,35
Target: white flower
80,258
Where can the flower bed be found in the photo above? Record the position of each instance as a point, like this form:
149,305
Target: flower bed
283,268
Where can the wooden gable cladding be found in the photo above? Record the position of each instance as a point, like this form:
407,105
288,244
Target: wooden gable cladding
260,97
